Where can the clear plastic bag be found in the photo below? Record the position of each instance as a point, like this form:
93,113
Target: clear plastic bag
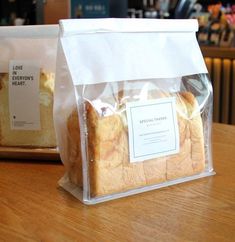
119,138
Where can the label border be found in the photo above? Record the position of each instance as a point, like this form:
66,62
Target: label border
132,108
133,133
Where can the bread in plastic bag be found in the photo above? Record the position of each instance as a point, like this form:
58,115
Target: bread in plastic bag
21,47
125,128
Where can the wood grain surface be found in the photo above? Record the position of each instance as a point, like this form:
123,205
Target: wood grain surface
33,208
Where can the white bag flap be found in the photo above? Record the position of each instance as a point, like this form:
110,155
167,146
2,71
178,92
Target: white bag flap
108,50
38,42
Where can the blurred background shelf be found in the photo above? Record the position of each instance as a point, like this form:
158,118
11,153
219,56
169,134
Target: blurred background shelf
220,63
218,52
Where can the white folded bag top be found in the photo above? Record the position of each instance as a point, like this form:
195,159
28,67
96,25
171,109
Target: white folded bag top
108,50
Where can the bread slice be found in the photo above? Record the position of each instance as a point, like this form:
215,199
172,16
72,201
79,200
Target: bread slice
110,170
29,138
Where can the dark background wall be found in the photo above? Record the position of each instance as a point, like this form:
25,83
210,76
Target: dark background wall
22,9
27,9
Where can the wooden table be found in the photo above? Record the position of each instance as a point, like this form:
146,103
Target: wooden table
33,208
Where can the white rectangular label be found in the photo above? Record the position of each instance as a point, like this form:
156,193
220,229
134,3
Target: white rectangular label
153,129
24,106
